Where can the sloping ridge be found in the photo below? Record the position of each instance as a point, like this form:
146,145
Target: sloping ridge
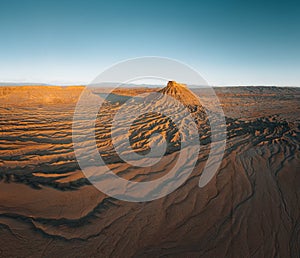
182,93
158,115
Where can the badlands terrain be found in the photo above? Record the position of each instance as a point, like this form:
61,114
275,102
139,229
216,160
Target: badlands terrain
250,208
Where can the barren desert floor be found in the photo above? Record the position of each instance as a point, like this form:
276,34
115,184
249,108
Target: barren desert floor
251,208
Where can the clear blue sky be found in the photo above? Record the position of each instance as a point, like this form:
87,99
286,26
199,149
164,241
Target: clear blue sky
228,42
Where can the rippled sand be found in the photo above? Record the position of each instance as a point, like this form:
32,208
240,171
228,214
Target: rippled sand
251,208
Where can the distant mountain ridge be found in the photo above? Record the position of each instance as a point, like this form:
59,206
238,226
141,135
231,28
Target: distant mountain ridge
23,84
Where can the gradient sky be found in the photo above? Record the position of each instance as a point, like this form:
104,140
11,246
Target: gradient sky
228,42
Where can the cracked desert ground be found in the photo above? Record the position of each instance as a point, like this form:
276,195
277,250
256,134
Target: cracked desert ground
251,208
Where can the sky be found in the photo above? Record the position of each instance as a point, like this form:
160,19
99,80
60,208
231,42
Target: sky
227,42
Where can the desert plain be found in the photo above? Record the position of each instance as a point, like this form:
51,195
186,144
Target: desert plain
251,207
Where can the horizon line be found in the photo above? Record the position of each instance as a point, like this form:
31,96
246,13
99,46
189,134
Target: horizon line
11,84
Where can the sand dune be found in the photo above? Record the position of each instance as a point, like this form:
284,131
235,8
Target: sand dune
249,209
